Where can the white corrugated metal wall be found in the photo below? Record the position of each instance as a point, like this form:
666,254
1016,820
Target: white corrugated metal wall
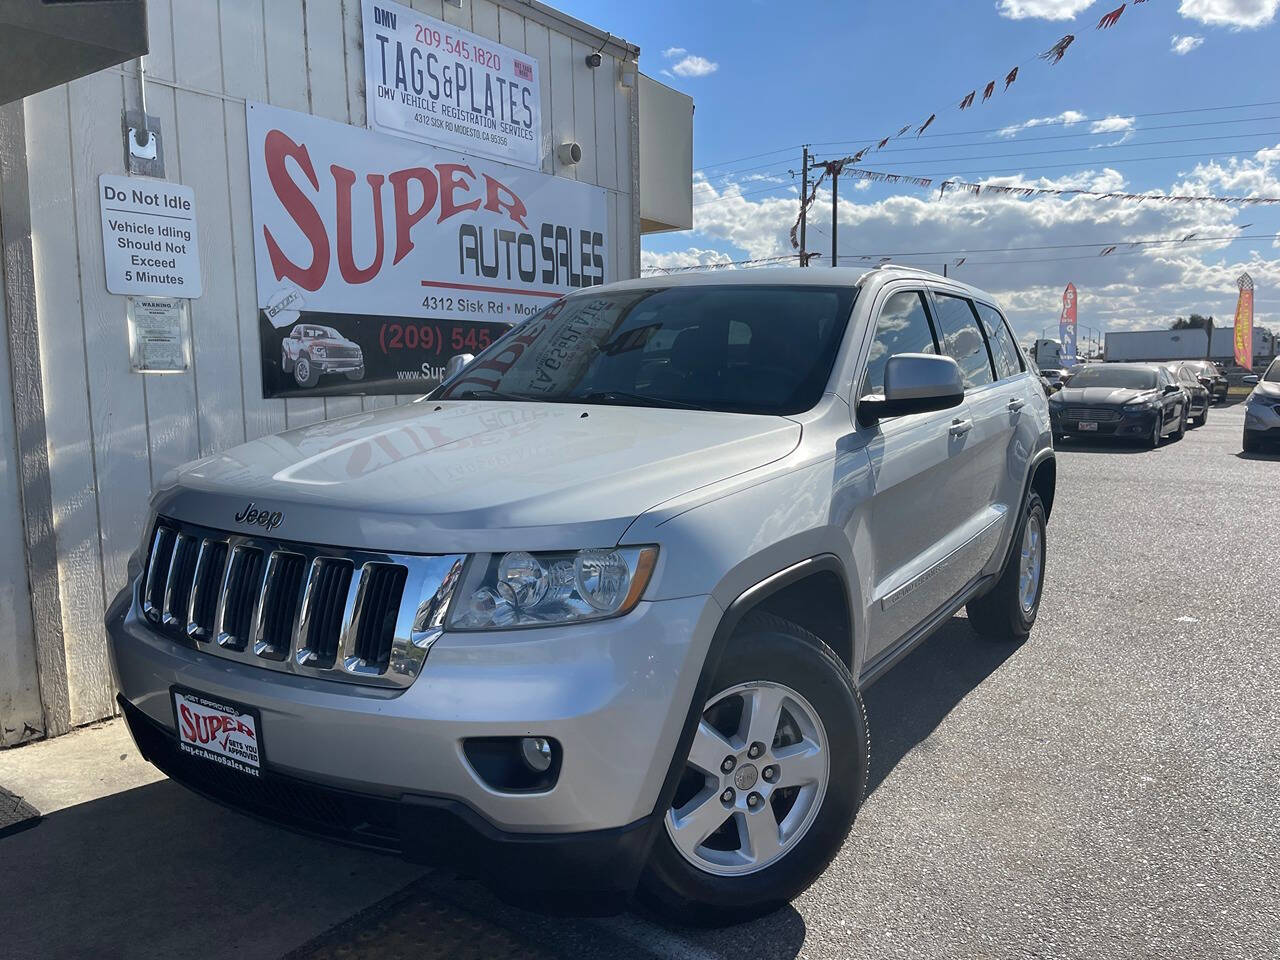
113,434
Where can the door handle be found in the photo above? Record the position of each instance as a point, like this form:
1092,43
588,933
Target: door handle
1016,404
960,427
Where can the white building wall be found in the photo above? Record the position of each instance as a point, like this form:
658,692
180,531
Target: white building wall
20,715
113,434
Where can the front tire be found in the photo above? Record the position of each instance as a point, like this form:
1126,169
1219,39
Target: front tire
1157,432
1182,427
356,374
1008,612
304,374
1201,420
773,780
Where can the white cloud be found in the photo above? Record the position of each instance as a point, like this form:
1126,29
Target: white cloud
694,66
1184,45
1066,118
1240,14
1041,9
672,52
1112,124
692,257
1134,288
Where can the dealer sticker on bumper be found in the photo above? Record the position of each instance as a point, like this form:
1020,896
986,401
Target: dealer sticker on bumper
222,732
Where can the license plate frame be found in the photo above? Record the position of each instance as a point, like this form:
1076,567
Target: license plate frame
241,748
1085,426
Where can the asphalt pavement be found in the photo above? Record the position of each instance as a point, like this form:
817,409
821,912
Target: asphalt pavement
1107,789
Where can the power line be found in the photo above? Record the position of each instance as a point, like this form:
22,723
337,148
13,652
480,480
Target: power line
1047,123
1092,149
1132,247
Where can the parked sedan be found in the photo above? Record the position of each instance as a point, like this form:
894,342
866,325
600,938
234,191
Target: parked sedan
1262,409
1211,375
1139,401
1185,373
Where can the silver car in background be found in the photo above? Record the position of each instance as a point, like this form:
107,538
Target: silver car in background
1262,409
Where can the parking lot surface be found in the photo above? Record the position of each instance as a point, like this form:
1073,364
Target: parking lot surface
1107,789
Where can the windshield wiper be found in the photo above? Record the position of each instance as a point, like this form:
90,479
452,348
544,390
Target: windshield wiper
632,399
488,395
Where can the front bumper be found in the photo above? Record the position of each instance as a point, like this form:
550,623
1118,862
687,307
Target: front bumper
1262,421
614,694
338,364
1131,424
601,866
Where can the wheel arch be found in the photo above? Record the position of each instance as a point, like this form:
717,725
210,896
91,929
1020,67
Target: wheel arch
783,589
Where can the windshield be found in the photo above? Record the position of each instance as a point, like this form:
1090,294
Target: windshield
1107,375
745,349
1273,372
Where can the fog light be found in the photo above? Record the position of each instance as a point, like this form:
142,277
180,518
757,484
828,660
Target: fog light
536,752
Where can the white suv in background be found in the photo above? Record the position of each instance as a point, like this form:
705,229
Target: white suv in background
594,617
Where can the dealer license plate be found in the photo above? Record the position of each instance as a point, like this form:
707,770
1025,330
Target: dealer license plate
1088,425
218,731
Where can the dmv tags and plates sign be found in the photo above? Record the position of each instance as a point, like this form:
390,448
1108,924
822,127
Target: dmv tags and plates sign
221,732
431,81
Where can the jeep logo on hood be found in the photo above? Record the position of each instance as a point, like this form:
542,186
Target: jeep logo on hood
263,518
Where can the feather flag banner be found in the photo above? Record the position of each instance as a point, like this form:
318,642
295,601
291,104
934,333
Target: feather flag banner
1109,20
1055,53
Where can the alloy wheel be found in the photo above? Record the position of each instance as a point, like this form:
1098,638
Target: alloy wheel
755,779
1030,563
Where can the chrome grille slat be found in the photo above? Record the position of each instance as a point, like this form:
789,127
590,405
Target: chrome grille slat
1091,413
255,600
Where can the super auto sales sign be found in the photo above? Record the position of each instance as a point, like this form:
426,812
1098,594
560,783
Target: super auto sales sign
424,245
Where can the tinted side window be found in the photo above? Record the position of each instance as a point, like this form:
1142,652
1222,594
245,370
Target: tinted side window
902,327
962,340
1000,340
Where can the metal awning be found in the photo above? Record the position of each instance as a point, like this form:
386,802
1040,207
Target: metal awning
47,42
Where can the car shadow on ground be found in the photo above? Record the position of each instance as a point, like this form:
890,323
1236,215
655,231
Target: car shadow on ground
1259,455
906,705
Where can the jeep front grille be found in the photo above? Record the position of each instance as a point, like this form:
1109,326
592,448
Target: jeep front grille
353,615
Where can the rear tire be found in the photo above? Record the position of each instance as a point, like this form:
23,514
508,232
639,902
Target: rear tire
746,867
1008,612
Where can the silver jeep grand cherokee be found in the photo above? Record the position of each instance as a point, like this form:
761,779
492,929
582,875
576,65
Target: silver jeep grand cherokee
593,618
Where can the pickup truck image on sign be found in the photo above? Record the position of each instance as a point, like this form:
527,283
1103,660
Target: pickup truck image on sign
594,617
309,351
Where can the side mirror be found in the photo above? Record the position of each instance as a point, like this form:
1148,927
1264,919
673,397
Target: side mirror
1250,380
456,363
1171,388
914,383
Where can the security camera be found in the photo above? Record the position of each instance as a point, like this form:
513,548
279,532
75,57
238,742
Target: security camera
594,60
569,153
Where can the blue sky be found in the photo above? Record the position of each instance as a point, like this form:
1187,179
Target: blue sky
767,77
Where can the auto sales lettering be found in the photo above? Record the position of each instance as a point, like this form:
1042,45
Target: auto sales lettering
431,81
364,223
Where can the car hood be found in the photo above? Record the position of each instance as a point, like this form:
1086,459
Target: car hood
1088,396
465,476
1267,390
332,342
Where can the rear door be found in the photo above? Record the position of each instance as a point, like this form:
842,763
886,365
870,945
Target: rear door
916,513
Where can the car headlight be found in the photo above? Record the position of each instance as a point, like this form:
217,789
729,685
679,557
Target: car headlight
523,589
318,352
1155,401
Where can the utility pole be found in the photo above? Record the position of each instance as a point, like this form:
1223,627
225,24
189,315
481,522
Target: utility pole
833,168
804,203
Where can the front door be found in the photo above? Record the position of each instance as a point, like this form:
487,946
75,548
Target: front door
917,512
